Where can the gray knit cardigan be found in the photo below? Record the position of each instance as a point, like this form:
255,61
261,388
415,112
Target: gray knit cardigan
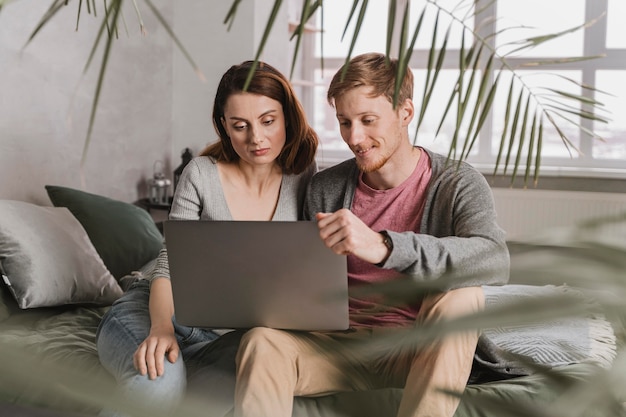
459,243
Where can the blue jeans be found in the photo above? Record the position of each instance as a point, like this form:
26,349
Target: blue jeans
127,324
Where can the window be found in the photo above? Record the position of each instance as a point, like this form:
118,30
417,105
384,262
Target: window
606,37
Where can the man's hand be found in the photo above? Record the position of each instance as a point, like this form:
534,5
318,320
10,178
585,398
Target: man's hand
150,355
344,233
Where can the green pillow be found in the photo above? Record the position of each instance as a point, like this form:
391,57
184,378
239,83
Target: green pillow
124,235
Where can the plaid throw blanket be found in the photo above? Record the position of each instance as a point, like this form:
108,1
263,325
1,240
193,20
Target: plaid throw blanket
516,350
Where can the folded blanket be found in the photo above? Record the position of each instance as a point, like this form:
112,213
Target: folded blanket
517,350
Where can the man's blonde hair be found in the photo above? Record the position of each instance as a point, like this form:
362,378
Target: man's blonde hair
371,70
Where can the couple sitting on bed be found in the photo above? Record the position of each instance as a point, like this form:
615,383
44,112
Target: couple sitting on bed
393,209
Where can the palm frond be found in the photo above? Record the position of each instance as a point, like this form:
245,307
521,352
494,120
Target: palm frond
304,17
50,13
232,12
111,14
142,26
178,43
266,34
355,34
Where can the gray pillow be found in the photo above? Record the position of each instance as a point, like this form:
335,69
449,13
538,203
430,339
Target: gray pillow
48,259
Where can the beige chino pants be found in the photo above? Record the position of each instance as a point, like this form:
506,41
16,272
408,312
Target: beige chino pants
273,365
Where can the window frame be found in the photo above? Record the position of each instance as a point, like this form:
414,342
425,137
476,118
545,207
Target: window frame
594,44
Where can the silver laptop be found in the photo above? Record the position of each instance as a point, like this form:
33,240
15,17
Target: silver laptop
243,274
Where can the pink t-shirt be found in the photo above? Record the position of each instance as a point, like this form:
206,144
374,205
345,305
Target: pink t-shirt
398,209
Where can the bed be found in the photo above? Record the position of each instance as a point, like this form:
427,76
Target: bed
67,262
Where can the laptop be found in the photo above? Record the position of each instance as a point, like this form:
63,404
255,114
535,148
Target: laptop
243,274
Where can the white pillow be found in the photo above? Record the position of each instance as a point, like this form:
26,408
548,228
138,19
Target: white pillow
48,259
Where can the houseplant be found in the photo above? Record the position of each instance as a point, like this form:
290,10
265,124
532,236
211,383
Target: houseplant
528,111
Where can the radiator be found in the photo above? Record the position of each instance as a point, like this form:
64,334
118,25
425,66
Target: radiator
528,213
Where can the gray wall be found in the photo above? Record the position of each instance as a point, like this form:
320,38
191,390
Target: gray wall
152,104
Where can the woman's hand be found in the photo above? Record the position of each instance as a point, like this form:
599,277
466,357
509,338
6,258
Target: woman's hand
151,353
161,342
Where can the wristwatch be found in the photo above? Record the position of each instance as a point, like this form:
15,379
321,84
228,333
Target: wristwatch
389,244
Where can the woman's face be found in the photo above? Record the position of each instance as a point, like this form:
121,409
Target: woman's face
256,127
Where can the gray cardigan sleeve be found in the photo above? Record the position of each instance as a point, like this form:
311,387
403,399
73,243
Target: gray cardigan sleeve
460,243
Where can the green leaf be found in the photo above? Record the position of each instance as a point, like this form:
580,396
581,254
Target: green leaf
391,20
80,6
485,109
142,27
576,112
50,13
516,116
538,155
112,13
588,131
299,33
577,97
355,4
403,59
355,35
310,10
531,145
522,139
266,33
538,40
429,66
507,118
568,144
178,43
232,12
558,61
477,105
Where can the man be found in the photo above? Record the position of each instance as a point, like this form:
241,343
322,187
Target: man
395,210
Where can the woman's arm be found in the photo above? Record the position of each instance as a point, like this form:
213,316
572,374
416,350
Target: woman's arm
161,341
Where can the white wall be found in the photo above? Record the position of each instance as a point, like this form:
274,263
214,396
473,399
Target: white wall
214,49
152,104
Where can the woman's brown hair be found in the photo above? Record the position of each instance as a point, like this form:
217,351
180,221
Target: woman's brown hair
301,142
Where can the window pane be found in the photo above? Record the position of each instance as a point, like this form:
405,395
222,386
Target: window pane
372,36
553,145
616,31
530,18
427,135
615,131
459,9
325,122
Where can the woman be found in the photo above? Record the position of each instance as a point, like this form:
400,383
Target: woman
258,170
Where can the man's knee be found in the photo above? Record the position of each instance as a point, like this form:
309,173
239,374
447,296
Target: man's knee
456,303
261,337
264,342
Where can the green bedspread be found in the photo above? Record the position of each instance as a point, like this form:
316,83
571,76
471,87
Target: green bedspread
76,381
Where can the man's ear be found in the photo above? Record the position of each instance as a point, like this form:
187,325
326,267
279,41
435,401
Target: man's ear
406,111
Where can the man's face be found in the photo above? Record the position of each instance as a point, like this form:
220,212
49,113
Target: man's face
371,127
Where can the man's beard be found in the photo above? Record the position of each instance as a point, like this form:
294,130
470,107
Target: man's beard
374,165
